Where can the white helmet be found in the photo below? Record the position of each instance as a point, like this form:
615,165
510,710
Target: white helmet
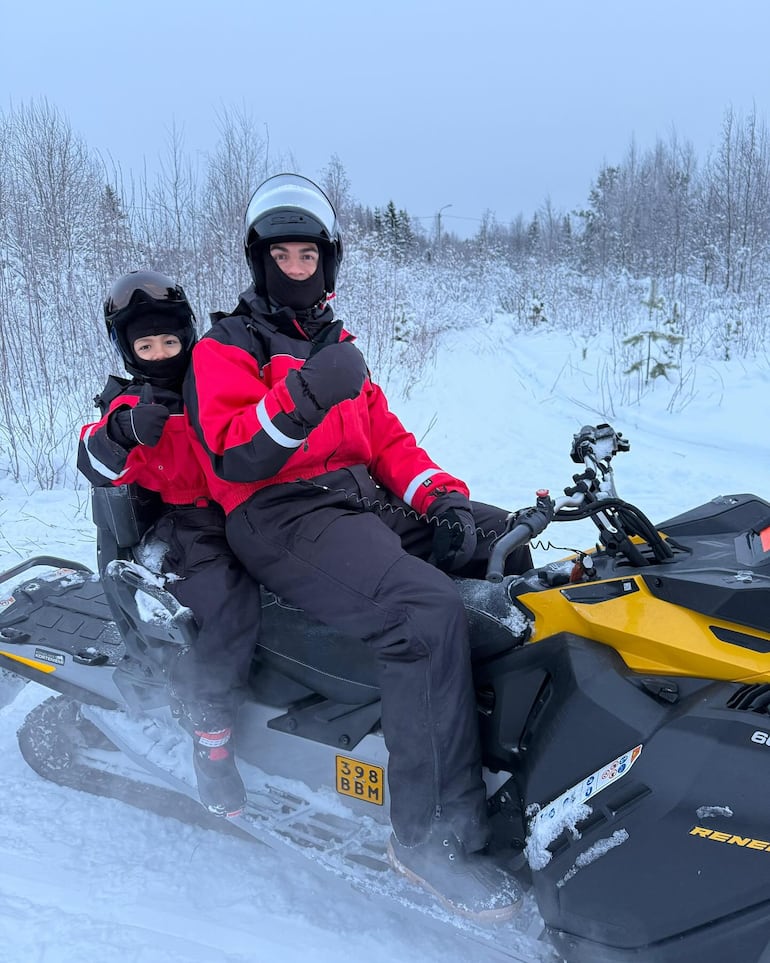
289,207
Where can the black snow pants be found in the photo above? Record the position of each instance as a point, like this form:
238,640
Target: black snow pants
328,547
208,677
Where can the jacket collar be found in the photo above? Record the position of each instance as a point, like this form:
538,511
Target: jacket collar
286,320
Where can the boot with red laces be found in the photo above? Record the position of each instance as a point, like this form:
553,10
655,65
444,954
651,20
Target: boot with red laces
220,786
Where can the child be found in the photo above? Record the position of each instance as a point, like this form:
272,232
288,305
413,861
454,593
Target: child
143,437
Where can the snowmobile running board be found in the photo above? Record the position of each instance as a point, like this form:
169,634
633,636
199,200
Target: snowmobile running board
81,747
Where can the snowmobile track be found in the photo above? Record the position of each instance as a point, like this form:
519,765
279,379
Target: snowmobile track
53,739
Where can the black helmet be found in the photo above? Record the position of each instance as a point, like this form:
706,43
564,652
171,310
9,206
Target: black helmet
289,207
146,302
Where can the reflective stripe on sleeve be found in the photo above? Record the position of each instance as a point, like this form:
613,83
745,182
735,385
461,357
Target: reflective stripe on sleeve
269,428
94,461
415,483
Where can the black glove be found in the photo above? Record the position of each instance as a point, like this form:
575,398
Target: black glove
454,540
329,377
143,424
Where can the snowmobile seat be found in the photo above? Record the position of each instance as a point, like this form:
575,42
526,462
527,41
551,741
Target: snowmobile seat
343,669
339,667
320,659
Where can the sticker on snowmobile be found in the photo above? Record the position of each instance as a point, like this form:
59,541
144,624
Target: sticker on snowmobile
45,656
362,780
588,787
9,601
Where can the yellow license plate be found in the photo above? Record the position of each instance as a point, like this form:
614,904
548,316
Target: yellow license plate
362,780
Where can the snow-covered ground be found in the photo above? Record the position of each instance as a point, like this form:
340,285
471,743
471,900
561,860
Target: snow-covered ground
85,879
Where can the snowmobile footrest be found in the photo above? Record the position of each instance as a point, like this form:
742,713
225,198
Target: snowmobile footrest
328,722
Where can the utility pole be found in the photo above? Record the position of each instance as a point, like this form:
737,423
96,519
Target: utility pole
438,228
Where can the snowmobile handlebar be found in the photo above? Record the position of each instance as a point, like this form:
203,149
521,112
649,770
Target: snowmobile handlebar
524,525
592,496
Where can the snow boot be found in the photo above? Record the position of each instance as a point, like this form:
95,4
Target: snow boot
466,883
220,786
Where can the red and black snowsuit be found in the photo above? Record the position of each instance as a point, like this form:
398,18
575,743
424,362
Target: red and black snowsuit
331,520
210,581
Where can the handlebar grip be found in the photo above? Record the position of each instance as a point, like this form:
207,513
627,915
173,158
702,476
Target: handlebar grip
502,548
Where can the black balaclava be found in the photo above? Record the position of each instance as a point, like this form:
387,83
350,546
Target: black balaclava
168,372
286,292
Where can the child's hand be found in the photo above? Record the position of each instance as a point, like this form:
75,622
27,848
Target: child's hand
142,424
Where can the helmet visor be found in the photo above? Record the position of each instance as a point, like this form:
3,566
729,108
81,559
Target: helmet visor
289,199
140,286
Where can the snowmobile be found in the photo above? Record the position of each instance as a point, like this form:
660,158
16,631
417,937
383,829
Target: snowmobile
623,696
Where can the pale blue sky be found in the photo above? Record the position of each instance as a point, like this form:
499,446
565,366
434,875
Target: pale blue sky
493,104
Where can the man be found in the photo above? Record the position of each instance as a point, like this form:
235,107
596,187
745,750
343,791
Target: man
332,505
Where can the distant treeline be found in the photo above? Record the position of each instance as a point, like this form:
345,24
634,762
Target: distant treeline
689,241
